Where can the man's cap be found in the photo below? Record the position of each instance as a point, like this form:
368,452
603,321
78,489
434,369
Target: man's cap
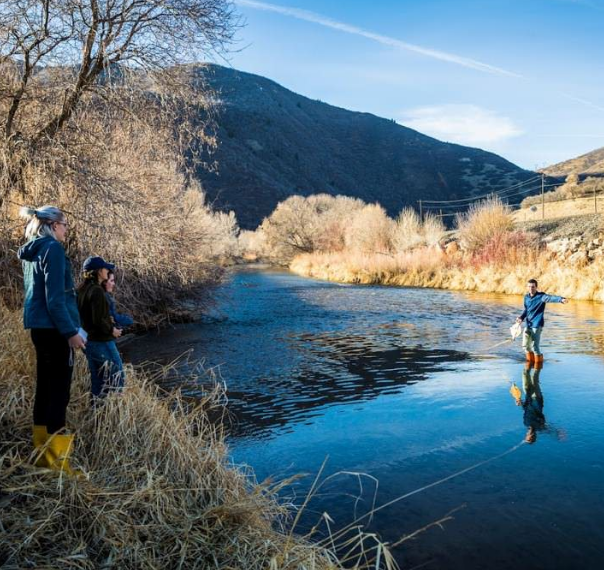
93,263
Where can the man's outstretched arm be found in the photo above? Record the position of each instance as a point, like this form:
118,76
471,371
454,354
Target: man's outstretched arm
554,299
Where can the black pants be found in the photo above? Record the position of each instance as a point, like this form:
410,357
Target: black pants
54,367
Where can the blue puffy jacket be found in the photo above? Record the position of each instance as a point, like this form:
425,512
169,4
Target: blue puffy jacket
50,296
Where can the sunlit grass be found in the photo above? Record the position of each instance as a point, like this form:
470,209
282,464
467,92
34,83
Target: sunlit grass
502,272
159,490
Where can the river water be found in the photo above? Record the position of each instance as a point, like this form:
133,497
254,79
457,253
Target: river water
397,390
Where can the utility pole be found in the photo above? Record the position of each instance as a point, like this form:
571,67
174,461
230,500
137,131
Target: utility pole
596,186
542,196
421,212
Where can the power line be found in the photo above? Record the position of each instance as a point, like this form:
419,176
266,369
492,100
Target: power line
465,206
493,193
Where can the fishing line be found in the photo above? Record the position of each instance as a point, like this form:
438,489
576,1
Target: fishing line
433,484
500,343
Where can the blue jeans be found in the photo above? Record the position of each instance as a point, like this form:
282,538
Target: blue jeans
106,370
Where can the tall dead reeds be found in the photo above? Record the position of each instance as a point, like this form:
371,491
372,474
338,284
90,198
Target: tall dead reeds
158,489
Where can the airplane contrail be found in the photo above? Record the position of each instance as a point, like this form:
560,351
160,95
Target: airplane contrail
315,18
321,20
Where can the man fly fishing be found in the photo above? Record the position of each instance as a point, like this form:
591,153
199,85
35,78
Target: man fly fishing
534,309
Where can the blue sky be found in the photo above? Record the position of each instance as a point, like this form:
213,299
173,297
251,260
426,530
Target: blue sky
522,78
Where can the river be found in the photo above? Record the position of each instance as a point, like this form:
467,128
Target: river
398,390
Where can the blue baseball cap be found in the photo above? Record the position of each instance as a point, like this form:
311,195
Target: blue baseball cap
93,263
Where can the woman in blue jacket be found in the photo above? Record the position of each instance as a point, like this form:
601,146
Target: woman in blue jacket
50,312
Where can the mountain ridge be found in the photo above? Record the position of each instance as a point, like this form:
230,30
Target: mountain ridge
274,143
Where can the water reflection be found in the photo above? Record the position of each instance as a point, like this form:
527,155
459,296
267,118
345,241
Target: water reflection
335,369
533,417
532,405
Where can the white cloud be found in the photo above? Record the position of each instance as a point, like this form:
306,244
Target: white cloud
463,124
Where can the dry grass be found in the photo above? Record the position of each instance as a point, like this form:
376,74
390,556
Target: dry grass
407,232
563,208
483,222
432,268
158,492
433,230
570,191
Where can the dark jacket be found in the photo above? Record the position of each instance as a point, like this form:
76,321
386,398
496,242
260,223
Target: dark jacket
94,312
121,321
50,296
534,308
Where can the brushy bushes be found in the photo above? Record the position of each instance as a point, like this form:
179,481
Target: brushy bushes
324,223
411,232
407,233
509,248
486,254
483,222
123,185
369,230
305,224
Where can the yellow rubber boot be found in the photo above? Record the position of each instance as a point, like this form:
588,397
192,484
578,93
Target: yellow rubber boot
530,357
58,452
40,437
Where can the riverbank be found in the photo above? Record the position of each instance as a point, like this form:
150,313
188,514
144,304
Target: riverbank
434,268
158,491
407,387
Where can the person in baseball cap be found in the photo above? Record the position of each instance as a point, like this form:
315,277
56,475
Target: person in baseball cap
104,361
94,263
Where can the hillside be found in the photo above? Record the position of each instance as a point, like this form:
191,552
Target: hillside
591,163
274,143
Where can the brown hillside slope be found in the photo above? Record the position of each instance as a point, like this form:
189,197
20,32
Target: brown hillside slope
589,163
274,143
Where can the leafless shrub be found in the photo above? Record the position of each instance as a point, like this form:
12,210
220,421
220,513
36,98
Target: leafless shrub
305,224
99,111
407,232
370,230
482,222
433,229
410,232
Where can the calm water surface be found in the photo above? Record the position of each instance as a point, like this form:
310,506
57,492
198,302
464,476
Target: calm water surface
405,387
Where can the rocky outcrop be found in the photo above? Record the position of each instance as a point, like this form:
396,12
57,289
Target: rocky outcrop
576,250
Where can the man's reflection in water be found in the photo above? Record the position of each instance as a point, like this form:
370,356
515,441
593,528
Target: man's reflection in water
532,404
534,419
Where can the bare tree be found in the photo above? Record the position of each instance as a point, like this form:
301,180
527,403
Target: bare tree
55,52
306,224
